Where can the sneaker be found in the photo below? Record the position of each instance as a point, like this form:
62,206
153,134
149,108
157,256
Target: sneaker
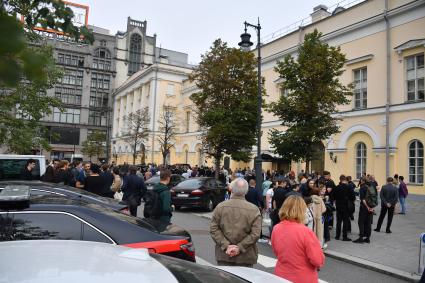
367,240
359,241
263,240
325,246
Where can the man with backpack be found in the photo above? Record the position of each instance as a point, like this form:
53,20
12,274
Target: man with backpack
158,200
368,201
134,189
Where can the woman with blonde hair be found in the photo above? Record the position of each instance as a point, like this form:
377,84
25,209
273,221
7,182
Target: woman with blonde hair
298,251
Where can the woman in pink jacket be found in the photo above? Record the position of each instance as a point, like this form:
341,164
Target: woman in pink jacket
298,251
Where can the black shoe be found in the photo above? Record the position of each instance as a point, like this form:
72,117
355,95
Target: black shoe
388,231
336,238
376,230
346,239
359,241
367,240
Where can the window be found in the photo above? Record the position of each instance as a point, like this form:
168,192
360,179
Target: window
102,59
64,135
45,226
98,99
70,60
415,77
72,77
11,169
97,118
70,115
187,121
92,235
416,162
361,156
360,88
100,81
68,95
135,53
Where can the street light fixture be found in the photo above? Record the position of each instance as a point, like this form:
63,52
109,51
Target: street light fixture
246,44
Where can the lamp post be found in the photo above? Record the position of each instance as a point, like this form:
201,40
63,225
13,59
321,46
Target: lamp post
246,44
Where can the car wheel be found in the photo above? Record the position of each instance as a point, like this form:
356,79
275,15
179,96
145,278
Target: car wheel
210,205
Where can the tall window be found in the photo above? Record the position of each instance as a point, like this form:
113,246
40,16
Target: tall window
72,77
69,115
360,88
415,77
360,159
97,118
70,60
416,162
187,121
68,95
102,59
135,53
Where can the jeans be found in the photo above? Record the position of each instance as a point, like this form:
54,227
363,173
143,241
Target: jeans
384,210
365,222
403,204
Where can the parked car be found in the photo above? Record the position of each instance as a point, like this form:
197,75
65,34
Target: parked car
45,188
71,261
174,181
42,217
204,192
12,165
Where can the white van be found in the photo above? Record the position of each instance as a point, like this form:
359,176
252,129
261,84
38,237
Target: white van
12,165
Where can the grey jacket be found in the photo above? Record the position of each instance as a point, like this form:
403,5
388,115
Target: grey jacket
238,222
389,194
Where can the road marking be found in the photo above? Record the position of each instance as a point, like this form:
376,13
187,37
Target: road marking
266,261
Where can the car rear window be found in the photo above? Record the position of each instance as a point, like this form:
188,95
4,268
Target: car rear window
188,272
190,184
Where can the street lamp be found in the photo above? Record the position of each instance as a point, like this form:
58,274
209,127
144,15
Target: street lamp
246,44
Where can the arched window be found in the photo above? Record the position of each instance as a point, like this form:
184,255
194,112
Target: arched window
135,53
416,162
102,59
361,157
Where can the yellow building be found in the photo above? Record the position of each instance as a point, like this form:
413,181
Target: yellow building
382,130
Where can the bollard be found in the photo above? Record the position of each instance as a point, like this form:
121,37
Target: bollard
421,253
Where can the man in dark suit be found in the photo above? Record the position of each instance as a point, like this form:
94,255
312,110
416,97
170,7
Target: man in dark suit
342,196
389,198
134,189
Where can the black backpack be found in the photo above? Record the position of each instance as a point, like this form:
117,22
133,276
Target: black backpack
371,196
153,205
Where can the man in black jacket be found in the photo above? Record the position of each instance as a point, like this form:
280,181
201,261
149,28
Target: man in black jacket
389,198
342,196
134,189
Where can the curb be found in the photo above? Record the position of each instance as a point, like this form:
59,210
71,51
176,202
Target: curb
410,277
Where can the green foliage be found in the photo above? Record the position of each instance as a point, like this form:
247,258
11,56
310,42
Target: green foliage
226,105
27,69
136,130
314,92
95,144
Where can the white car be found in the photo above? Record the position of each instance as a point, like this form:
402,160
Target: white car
49,261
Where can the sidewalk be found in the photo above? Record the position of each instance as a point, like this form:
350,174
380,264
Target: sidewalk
396,254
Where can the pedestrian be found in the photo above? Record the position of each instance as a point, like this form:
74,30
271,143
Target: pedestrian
63,174
76,168
236,227
164,194
26,173
134,189
108,179
352,187
368,201
344,197
117,183
389,199
402,194
265,187
318,207
254,196
94,183
298,251
83,175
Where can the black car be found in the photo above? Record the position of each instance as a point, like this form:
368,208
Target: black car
42,217
45,188
174,181
204,192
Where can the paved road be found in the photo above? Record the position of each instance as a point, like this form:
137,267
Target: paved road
334,271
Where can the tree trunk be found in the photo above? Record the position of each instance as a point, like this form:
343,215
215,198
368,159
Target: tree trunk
307,166
164,159
217,166
134,158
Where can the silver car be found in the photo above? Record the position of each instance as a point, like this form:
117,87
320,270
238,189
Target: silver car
51,261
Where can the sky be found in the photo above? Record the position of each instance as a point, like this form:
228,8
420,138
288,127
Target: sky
190,26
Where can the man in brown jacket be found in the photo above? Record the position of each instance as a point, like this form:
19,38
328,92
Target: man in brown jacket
235,228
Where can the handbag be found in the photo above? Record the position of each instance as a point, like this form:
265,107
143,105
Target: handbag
118,195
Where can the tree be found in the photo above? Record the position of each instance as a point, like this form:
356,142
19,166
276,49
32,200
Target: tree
168,126
95,144
27,69
313,93
136,130
226,105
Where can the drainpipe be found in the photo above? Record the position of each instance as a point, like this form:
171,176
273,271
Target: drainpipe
388,101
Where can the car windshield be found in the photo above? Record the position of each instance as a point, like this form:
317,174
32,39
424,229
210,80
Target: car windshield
190,184
188,272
